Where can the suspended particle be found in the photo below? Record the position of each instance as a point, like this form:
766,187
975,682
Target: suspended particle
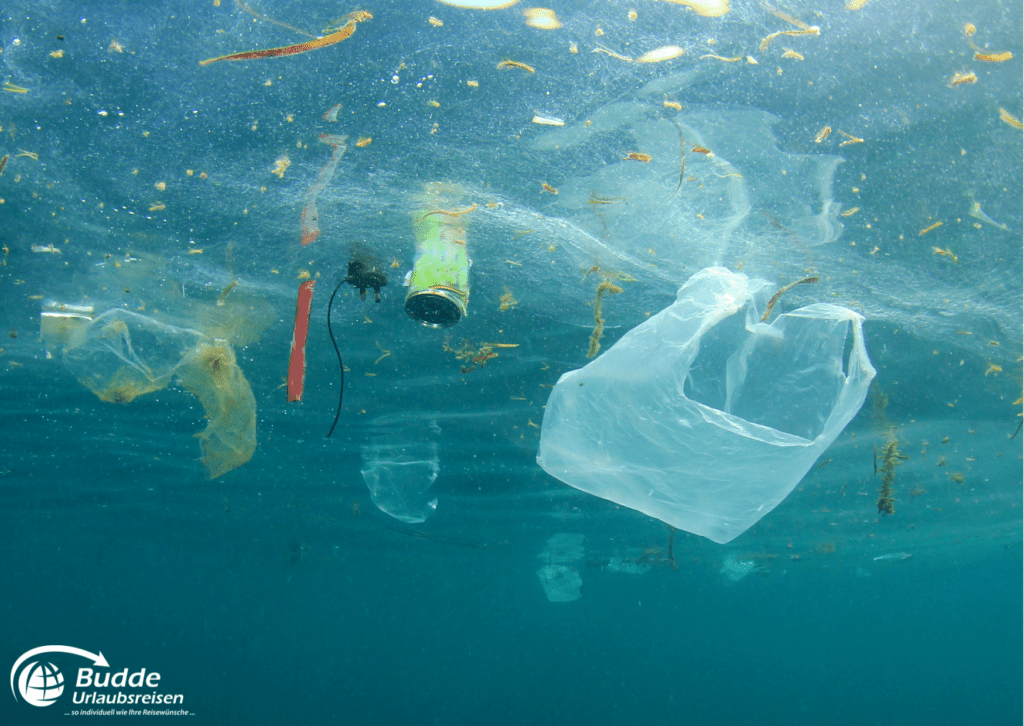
1008,118
946,253
480,4
516,64
959,79
705,8
281,165
542,19
994,57
548,121
664,53
814,30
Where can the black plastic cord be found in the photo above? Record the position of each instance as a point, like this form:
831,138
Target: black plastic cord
341,366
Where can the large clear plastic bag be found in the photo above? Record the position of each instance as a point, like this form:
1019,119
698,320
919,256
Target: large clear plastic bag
703,416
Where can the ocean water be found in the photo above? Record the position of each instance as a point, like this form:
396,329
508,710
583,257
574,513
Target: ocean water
164,504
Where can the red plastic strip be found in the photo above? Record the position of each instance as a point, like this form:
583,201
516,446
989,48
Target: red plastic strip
297,362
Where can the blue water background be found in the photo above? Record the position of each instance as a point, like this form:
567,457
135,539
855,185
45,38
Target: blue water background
278,593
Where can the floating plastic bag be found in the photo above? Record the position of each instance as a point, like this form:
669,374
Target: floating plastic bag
703,416
398,477
122,355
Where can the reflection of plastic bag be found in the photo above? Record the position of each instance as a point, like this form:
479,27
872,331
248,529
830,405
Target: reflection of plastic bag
561,583
703,416
399,476
121,355
559,577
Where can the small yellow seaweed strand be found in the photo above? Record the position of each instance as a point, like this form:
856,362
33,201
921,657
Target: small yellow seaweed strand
451,213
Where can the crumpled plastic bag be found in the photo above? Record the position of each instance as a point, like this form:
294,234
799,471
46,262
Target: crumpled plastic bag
121,355
703,416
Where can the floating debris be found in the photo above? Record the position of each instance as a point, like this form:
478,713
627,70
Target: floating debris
542,18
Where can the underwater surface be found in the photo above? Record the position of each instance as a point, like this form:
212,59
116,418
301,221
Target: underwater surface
692,393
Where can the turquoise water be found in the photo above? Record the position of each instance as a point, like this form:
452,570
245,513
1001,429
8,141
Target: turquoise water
284,589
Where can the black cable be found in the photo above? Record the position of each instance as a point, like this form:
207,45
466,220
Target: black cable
341,366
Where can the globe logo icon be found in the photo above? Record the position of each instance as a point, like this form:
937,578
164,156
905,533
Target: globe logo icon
41,683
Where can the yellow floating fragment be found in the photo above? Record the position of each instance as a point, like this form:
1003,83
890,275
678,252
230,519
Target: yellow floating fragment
790,53
823,134
705,8
364,142
281,165
1007,117
436,22
664,53
850,212
479,4
851,139
993,57
158,207
722,58
542,19
11,88
546,121
959,79
857,4
926,230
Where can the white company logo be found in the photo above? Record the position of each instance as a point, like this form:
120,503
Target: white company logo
40,683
